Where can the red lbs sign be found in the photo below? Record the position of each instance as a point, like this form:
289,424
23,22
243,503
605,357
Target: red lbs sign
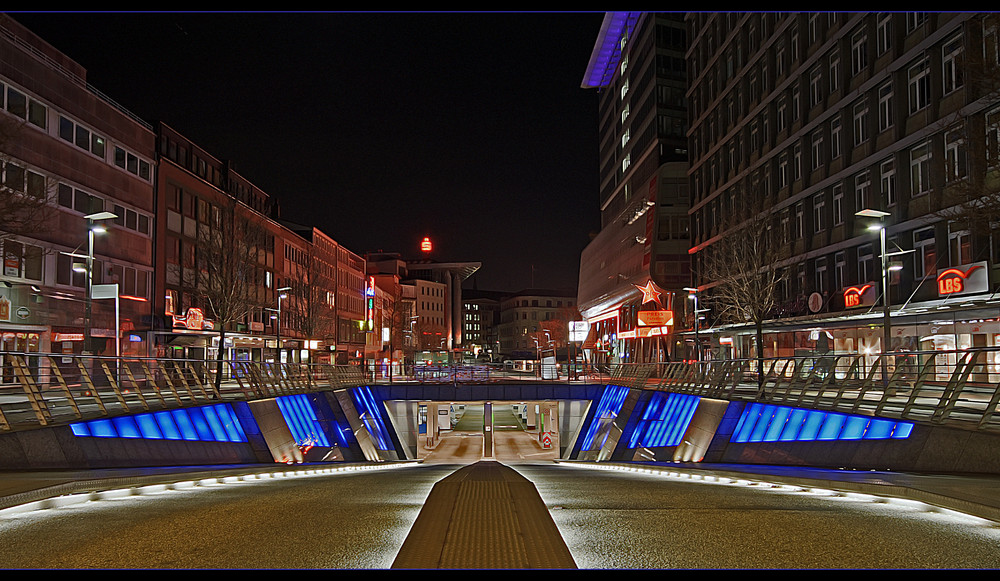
860,296
963,280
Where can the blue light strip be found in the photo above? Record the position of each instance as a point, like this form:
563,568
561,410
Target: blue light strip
301,420
770,423
607,50
609,405
665,420
368,409
214,423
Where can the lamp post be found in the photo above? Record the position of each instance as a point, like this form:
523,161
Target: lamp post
93,227
886,323
281,296
693,295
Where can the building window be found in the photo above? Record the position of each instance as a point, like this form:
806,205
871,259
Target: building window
959,247
862,188
20,105
820,281
883,33
22,260
951,65
835,134
919,83
885,106
915,20
887,169
920,169
866,264
838,204
925,259
796,103
955,156
819,213
800,226
860,122
782,113
834,71
815,86
783,170
816,152
993,137
81,137
839,270
131,163
859,56
797,161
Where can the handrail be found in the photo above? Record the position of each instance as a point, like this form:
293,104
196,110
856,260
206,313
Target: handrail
44,389
958,388
955,388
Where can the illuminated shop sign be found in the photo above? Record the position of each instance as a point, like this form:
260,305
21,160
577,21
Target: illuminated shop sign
643,332
963,280
425,244
656,318
650,293
369,326
194,320
863,295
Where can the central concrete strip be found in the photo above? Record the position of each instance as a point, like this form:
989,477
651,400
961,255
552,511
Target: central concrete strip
484,516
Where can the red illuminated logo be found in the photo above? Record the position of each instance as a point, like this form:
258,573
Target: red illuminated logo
852,295
952,280
425,245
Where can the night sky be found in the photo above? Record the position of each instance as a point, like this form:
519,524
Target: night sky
379,129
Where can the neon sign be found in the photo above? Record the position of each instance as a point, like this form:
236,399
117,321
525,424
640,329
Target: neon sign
370,305
425,244
856,296
964,279
650,293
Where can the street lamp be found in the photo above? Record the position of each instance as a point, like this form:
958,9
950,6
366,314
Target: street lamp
93,227
281,296
693,295
886,324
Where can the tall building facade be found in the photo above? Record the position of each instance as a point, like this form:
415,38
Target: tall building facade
638,67
815,117
85,167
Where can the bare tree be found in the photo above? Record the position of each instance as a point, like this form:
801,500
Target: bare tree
744,263
25,207
229,258
970,197
313,298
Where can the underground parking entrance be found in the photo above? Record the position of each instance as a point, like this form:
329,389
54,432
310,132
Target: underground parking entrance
469,431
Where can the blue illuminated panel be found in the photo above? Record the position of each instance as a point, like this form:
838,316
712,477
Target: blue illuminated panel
214,423
664,420
368,409
607,409
301,420
769,423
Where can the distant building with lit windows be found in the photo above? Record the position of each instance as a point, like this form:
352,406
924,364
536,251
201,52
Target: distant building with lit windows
638,67
828,114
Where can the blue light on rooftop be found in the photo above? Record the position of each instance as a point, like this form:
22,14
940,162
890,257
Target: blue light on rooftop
607,50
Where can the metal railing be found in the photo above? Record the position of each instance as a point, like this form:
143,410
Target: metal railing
489,373
52,389
958,388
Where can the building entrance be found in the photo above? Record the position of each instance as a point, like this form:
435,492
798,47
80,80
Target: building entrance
466,432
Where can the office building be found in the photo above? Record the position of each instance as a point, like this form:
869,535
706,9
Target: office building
638,67
813,118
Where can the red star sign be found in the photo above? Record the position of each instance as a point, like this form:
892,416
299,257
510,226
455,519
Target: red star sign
650,293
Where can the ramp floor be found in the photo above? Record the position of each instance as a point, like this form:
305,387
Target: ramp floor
484,516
